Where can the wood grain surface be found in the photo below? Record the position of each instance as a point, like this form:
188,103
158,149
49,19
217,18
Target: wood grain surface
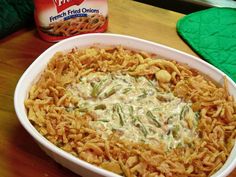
20,156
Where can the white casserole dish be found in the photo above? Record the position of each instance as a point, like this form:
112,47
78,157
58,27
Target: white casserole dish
31,74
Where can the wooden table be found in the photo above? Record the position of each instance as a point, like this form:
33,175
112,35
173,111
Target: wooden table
20,156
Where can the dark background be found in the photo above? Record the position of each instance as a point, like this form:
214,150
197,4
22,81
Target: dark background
175,5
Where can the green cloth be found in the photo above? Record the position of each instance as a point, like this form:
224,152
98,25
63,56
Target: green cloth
212,34
14,15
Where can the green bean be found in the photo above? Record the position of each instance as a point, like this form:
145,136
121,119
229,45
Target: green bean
175,131
82,109
139,125
196,119
69,109
144,95
179,145
97,88
126,90
136,118
110,92
197,116
100,106
150,82
168,131
131,110
120,113
131,114
183,112
92,84
143,128
152,85
103,120
161,136
170,119
150,115
156,109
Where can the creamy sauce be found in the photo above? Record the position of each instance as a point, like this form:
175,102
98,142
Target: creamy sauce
134,108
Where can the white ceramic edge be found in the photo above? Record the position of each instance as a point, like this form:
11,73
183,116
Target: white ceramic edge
123,40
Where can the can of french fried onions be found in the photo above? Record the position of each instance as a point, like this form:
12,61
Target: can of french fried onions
60,19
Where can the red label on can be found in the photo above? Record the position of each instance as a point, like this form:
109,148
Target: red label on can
59,19
64,4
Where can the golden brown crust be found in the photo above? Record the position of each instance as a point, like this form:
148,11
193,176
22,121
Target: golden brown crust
48,101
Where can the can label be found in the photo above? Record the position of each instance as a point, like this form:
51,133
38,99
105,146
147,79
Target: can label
60,19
